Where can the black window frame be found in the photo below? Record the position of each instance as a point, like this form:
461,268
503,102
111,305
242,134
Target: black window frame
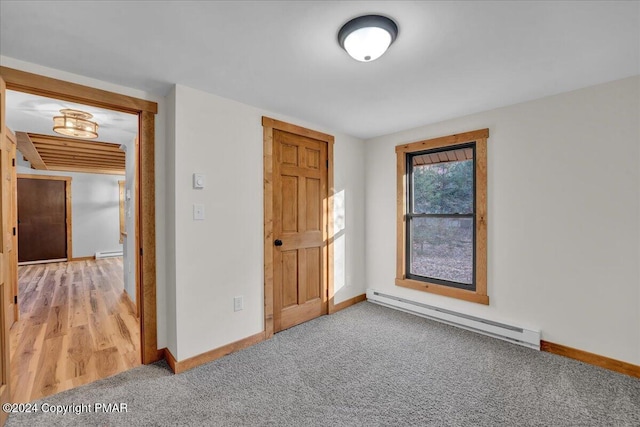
410,215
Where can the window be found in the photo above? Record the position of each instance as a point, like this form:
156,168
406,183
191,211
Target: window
442,221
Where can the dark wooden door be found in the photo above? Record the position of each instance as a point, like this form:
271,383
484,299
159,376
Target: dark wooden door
42,227
300,197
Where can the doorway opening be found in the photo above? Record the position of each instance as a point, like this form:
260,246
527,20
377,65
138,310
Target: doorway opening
75,312
97,271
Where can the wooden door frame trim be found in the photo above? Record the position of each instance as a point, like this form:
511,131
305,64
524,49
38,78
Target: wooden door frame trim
36,84
146,218
67,196
269,125
14,222
6,293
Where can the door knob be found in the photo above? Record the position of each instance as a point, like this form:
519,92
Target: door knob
278,242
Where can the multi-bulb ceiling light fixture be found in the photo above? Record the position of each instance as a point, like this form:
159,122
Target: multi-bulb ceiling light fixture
367,37
75,123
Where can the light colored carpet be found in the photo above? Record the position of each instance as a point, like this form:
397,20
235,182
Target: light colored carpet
364,366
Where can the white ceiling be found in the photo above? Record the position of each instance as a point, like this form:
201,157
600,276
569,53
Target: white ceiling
450,58
34,114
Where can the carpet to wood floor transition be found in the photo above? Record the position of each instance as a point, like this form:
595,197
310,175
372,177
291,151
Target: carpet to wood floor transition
364,366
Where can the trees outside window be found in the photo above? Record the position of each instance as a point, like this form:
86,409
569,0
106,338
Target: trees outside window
442,216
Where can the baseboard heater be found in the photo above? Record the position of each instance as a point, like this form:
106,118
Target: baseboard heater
513,334
108,254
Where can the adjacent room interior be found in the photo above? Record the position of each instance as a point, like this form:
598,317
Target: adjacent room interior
441,227
75,313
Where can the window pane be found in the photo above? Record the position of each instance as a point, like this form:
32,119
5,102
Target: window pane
442,248
442,188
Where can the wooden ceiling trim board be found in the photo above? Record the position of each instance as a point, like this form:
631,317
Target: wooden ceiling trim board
61,148
62,162
46,157
87,169
105,171
58,138
78,152
69,142
88,146
80,168
82,145
74,154
71,163
79,156
29,151
53,160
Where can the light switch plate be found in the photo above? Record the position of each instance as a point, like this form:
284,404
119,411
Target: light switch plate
198,212
198,181
238,303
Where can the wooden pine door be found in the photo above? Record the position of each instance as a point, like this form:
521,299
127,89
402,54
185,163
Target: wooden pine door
42,219
299,205
6,289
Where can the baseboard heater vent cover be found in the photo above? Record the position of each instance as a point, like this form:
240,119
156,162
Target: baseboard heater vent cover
513,334
108,254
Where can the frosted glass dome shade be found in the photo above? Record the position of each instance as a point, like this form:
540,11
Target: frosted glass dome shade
368,37
367,44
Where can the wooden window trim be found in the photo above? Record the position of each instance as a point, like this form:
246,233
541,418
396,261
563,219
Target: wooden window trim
480,138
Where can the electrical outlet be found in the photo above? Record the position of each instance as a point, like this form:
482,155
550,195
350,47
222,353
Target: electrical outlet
238,303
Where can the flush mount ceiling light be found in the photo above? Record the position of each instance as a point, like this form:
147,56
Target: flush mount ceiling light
75,123
367,37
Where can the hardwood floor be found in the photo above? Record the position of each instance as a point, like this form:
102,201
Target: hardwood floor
75,327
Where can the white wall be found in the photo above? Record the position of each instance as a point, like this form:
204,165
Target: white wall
564,232
564,216
129,246
95,209
170,167
160,125
222,256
